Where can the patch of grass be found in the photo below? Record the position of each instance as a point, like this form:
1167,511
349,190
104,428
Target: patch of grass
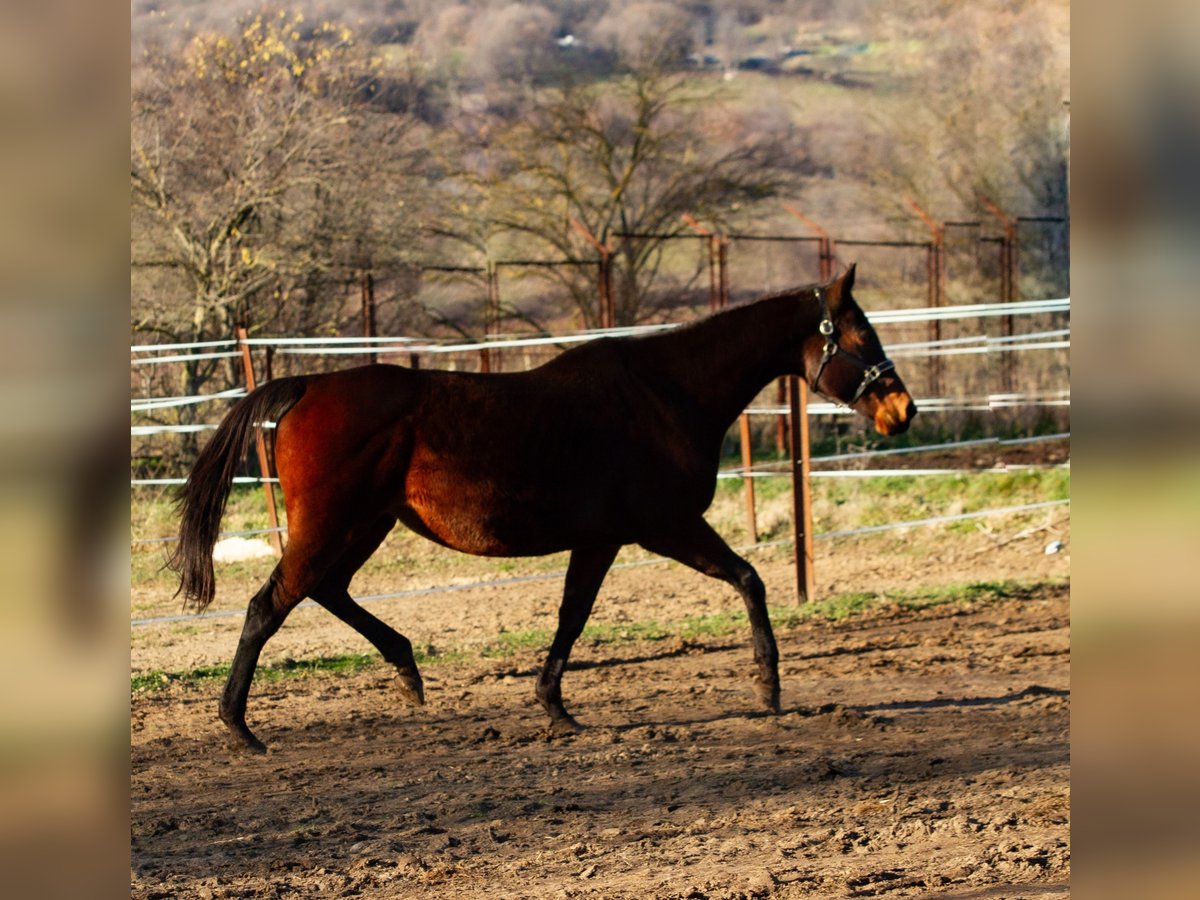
289,668
149,681
764,488
626,632
509,643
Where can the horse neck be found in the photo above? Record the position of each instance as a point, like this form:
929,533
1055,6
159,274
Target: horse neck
724,361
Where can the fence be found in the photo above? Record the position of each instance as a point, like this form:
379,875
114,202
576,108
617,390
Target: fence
793,418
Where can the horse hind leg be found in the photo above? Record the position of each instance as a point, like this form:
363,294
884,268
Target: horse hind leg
266,612
333,594
585,573
305,560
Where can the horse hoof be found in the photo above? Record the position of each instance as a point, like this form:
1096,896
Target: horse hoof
243,740
411,688
564,726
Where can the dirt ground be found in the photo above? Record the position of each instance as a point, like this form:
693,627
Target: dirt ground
919,753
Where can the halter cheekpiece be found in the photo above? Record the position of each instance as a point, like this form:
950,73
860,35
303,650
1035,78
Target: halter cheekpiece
871,373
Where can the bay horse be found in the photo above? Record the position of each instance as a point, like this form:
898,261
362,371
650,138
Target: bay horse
613,442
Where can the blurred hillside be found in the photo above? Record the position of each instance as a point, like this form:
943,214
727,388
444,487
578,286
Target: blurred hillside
280,154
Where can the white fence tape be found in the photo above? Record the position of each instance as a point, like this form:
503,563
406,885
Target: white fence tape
378,345
886,473
941,404
978,338
150,403
224,534
169,481
183,357
820,408
952,445
194,345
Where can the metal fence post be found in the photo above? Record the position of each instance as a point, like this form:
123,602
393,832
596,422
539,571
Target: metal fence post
936,267
1008,281
748,479
368,308
801,488
722,271
825,257
491,317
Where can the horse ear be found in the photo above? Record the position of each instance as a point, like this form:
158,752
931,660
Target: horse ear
848,278
840,287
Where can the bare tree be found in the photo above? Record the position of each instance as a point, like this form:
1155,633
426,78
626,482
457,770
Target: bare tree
251,193
626,160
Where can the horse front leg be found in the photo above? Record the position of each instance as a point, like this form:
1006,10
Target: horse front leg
697,546
585,573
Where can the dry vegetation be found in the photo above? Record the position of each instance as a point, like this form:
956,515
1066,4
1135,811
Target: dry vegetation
279,158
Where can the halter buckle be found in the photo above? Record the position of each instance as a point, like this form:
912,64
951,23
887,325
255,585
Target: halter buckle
826,327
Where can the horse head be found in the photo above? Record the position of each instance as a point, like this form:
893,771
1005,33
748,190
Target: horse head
845,362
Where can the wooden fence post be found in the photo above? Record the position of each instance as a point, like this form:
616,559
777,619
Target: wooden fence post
261,444
748,479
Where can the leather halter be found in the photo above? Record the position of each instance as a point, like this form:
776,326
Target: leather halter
871,373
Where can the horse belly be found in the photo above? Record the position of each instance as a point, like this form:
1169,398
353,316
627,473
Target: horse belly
475,516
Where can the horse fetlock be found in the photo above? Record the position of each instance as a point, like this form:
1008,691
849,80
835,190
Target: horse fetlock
767,691
549,693
240,737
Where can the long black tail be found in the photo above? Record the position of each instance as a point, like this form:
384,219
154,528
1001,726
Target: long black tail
202,499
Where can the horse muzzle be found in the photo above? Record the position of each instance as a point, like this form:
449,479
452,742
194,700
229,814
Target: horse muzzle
894,413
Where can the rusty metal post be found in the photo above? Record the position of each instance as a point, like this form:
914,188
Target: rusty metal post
801,488
936,274
1008,280
608,306
722,272
714,284
491,317
368,310
263,459
825,258
748,480
607,309
781,426
717,283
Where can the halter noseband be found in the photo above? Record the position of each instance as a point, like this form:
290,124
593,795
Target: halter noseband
871,373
